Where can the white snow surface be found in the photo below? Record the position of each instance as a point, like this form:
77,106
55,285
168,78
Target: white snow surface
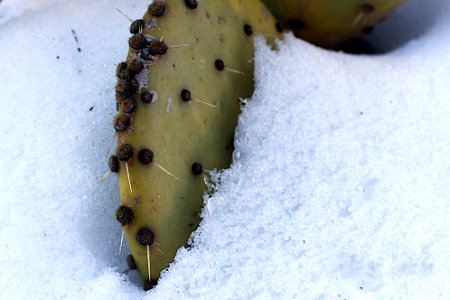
339,188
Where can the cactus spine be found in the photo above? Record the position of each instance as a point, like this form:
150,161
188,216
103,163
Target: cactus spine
178,96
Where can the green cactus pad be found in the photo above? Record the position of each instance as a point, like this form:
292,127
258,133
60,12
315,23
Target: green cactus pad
329,23
198,63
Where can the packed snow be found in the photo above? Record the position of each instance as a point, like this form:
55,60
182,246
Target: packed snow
339,187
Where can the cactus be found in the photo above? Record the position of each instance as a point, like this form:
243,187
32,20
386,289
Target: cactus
178,95
329,23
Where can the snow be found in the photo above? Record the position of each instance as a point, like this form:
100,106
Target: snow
339,189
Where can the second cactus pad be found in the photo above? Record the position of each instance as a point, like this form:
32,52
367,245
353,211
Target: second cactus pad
329,23
178,94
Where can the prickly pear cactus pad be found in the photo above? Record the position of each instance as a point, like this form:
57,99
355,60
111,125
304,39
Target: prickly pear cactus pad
329,23
178,95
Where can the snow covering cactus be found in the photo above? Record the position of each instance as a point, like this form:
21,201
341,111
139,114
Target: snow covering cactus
329,23
178,96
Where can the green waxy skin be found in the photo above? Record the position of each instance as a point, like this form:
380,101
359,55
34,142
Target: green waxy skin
181,133
329,23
